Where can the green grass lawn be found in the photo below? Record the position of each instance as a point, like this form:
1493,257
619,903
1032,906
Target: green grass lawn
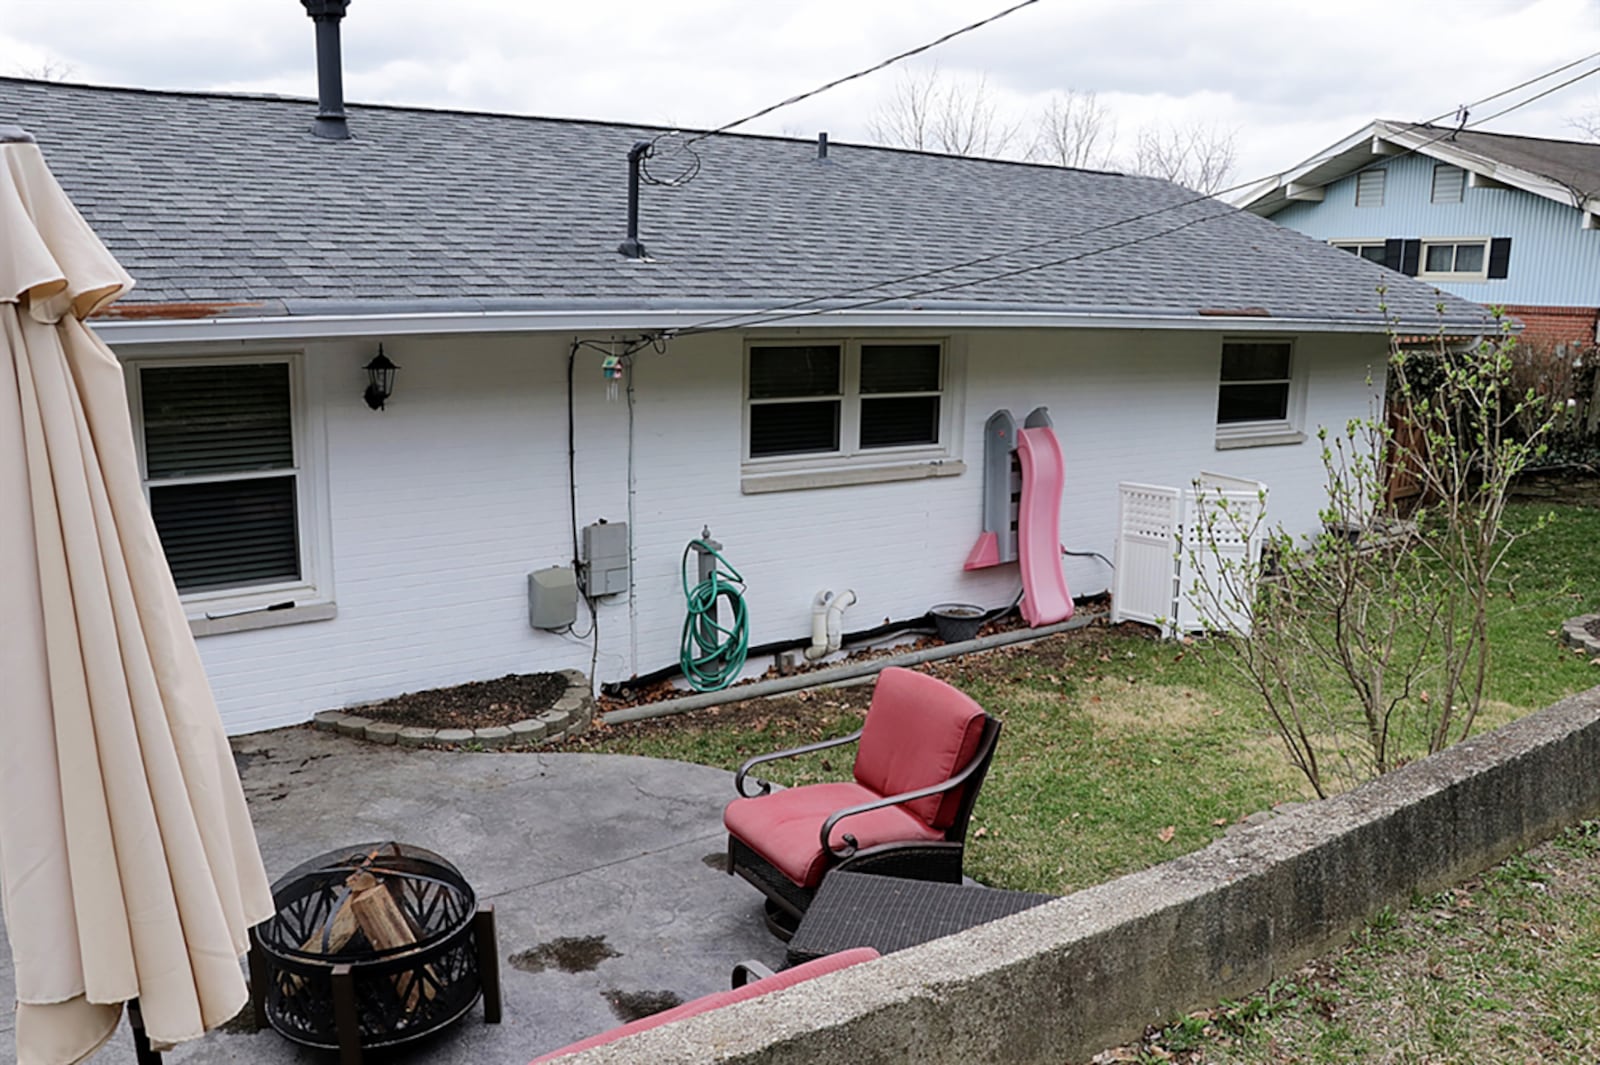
1121,751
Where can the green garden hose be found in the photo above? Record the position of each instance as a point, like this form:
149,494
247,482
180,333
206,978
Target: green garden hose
713,653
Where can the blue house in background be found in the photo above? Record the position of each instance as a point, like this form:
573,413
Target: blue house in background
1508,221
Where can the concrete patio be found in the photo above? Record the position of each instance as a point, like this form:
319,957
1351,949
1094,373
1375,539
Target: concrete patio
616,851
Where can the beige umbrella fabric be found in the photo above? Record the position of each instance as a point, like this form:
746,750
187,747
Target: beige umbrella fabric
128,862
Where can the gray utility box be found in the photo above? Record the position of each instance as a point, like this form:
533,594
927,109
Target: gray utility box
605,552
552,598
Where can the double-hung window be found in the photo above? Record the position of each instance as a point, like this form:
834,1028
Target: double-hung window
1258,398
845,404
1460,260
222,452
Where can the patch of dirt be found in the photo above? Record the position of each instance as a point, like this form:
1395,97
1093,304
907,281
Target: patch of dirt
623,696
817,711
570,954
481,704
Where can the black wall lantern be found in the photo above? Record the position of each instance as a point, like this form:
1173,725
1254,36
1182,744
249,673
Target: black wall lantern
380,379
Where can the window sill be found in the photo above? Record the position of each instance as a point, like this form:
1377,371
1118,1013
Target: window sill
1280,438
263,619
752,483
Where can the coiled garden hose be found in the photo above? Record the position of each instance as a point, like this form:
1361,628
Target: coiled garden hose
712,654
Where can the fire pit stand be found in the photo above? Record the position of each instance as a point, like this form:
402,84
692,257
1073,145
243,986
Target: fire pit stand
372,946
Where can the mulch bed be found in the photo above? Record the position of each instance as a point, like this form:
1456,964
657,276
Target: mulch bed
481,704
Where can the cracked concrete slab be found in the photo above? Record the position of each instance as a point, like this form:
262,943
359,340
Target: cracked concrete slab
566,846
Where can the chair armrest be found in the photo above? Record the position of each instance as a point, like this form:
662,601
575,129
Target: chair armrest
979,758
749,971
738,778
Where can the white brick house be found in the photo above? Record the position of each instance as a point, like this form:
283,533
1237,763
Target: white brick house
477,249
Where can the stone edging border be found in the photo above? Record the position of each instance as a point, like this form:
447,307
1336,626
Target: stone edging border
570,715
1574,634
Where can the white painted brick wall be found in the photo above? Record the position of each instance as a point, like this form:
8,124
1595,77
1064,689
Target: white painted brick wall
443,503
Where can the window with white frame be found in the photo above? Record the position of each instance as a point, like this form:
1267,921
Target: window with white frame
1370,250
1455,259
1256,391
1369,187
221,449
859,400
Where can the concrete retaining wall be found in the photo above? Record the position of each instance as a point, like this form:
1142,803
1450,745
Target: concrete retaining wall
1061,982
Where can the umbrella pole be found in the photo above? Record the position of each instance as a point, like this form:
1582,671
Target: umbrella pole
141,1042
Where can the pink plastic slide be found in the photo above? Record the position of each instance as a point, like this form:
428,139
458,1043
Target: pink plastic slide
1045,598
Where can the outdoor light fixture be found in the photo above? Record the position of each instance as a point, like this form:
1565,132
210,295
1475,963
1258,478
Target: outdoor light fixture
380,379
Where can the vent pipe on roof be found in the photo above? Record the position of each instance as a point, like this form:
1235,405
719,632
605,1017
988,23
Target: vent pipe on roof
822,146
330,68
633,248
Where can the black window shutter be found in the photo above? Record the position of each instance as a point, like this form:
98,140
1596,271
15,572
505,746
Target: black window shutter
1391,253
1499,257
1410,257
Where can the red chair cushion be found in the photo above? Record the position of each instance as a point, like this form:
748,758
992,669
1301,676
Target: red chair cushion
785,828
919,731
706,1003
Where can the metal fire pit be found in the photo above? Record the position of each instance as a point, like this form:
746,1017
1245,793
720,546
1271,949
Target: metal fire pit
317,978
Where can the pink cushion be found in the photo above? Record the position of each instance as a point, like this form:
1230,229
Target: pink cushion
785,827
775,982
919,731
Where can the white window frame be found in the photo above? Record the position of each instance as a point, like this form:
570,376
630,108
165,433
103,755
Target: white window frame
222,610
1354,244
1286,430
1481,274
851,463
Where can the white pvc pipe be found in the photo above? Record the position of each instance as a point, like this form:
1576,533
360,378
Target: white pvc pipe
819,626
841,602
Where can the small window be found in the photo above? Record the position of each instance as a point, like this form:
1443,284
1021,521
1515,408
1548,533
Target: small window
221,473
1369,188
1459,260
844,399
1370,250
1255,383
1448,181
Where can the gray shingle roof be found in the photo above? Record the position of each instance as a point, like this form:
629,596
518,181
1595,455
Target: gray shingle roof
221,198
1572,163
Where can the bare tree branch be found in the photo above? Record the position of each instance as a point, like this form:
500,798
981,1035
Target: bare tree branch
47,70
933,112
1075,130
1198,157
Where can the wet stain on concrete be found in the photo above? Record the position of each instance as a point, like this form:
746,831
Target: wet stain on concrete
570,954
632,1005
717,861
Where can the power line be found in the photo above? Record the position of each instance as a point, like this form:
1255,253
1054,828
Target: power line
765,316
835,83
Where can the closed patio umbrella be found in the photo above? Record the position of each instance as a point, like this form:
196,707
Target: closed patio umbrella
128,862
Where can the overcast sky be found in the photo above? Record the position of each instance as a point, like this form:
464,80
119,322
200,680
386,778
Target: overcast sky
1290,77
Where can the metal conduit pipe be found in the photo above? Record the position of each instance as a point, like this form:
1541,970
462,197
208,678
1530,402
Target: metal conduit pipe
844,672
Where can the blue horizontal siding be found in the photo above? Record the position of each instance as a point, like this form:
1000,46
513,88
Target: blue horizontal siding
1555,262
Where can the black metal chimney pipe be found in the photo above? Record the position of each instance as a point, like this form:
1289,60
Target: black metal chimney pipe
632,248
330,68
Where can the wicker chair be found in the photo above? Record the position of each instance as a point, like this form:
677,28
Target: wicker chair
921,758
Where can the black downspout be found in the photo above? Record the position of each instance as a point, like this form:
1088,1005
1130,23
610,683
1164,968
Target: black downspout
330,68
632,248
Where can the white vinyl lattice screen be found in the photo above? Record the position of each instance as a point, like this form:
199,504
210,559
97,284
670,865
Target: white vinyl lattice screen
1157,571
